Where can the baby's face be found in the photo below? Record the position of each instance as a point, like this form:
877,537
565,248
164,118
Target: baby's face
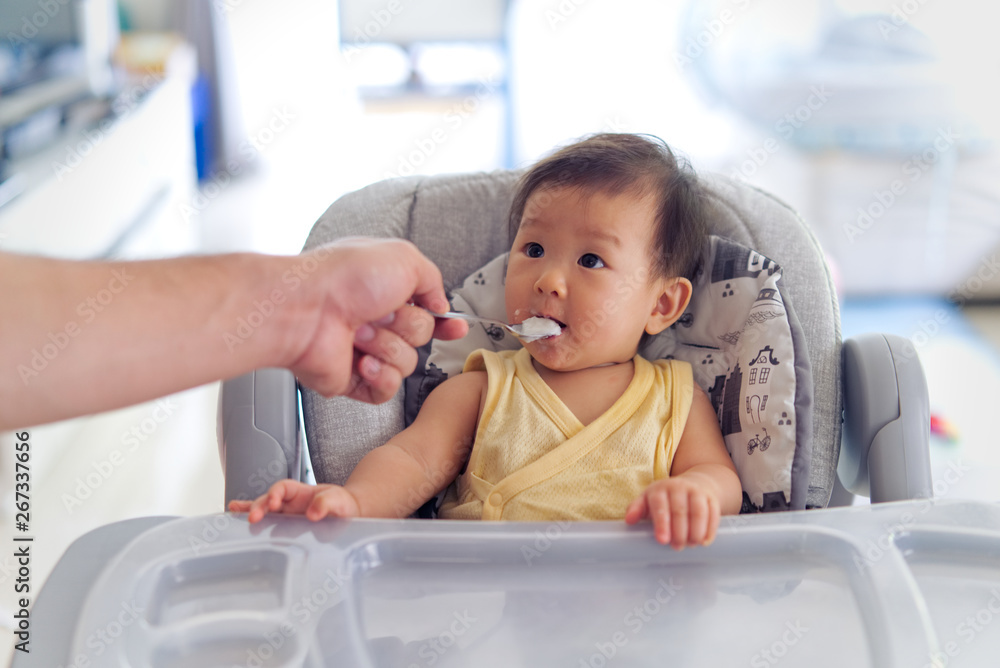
584,259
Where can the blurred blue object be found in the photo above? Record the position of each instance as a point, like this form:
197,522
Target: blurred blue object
204,134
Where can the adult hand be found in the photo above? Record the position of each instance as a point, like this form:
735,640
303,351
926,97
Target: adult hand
366,318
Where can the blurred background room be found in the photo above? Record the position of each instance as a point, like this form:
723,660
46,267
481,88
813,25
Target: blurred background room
150,128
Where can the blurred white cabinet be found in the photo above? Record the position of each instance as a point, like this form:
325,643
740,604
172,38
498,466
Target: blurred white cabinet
115,189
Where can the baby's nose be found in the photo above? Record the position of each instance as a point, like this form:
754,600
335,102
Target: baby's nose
551,282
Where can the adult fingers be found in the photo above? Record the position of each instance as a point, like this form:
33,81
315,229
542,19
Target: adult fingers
429,288
413,325
374,382
416,325
384,274
448,329
388,347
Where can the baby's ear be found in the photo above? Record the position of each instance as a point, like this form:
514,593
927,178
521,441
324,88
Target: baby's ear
673,299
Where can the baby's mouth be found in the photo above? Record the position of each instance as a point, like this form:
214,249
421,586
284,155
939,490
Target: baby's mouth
562,325
559,322
539,327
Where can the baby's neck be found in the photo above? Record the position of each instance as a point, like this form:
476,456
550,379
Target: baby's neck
599,366
589,392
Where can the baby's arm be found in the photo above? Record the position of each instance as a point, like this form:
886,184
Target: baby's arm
685,508
397,478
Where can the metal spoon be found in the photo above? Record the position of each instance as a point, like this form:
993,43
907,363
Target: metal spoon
541,331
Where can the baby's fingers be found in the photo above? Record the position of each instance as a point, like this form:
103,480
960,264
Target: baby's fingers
287,496
637,510
333,502
714,517
660,504
699,516
680,503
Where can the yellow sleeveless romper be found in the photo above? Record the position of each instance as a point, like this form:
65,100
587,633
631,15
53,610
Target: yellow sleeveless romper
534,461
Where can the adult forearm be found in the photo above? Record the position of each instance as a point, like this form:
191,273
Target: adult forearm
78,337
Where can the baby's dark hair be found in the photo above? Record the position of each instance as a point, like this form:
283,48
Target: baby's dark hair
637,164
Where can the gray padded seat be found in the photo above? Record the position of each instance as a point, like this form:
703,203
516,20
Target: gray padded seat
460,223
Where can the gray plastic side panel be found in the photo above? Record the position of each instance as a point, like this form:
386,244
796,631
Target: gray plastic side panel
259,440
899,464
60,602
885,450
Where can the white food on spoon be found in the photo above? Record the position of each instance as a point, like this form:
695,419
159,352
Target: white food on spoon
538,328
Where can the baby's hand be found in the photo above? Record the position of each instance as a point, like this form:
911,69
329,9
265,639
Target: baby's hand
683,511
298,498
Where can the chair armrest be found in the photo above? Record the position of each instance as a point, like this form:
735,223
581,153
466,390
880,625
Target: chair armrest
260,441
885,452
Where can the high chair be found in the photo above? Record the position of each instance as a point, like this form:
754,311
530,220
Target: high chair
837,586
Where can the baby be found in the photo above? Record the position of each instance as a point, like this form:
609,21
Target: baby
607,234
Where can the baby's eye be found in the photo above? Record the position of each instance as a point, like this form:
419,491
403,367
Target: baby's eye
534,250
590,261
